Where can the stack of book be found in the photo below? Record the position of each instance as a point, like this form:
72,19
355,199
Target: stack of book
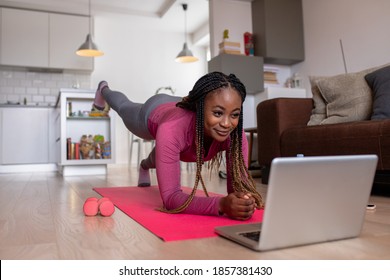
87,149
72,149
230,47
271,76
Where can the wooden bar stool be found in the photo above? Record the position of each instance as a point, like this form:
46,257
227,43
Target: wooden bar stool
141,147
251,131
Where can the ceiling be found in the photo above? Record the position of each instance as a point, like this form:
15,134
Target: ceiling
169,13
164,15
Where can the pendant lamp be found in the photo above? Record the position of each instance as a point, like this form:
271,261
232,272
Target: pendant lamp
185,55
89,48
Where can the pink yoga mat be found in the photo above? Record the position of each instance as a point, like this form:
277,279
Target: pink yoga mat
140,204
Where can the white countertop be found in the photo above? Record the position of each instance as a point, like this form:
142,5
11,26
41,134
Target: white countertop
25,106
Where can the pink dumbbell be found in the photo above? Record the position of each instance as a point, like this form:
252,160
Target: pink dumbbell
106,207
93,206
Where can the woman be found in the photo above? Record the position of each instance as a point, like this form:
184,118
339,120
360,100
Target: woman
197,128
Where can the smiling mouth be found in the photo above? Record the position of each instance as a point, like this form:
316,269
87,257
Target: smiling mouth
223,133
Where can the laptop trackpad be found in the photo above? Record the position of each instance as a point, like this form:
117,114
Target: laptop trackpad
253,233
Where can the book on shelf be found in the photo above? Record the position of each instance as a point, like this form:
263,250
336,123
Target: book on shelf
230,51
68,148
72,151
230,47
270,78
76,150
271,75
271,82
98,148
229,44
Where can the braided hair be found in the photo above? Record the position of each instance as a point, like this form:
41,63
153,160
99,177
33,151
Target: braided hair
194,101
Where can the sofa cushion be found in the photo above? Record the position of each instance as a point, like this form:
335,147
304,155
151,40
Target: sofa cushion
348,97
318,113
379,82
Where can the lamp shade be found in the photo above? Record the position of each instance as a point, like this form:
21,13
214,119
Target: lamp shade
89,48
185,55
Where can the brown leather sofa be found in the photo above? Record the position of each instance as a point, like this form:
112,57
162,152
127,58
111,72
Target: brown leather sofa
283,132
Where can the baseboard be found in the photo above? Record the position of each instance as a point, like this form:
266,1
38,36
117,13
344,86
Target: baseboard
27,168
79,170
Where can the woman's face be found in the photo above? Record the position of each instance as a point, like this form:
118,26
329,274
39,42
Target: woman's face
221,113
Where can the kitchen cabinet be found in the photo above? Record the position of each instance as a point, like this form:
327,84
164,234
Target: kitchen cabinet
43,40
278,31
24,38
24,135
67,33
73,107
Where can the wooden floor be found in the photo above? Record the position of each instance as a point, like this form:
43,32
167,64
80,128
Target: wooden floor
41,218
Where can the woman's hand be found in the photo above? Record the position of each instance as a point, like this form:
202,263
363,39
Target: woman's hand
238,205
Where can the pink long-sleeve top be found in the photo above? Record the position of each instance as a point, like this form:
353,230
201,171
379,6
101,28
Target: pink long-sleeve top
174,131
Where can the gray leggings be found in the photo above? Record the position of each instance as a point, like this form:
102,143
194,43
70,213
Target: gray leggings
135,115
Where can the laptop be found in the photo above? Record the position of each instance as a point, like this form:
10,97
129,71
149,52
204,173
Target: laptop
310,200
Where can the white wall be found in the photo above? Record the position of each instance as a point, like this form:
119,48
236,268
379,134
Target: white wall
236,16
363,27
138,61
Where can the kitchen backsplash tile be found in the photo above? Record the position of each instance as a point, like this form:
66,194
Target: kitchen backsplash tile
17,85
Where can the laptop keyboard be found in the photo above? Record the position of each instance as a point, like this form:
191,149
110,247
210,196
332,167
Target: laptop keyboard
254,235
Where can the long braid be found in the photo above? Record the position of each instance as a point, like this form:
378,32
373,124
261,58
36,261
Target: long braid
194,101
200,147
242,179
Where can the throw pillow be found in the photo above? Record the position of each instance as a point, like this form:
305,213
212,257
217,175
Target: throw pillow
348,97
379,82
318,113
